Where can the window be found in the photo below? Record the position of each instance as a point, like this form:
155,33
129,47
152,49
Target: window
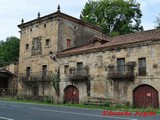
66,69
79,65
68,43
47,42
44,70
79,68
142,66
28,71
27,46
44,25
121,64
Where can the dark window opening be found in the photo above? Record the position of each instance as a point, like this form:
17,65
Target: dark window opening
142,66
66,69
44,70
28,71
79,65
47,42
121,64
68,42
44,25
27,46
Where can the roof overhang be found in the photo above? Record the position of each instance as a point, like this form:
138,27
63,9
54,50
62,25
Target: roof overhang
96,38
6,73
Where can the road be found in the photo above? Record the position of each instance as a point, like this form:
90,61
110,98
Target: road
25,111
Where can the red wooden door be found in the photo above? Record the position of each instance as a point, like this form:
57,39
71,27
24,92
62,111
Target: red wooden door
145,96
71,95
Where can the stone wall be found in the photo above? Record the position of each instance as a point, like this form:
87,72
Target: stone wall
13,82
37,53
33,50
77,33
119,89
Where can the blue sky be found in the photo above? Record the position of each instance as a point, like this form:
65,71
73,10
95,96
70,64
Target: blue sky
12,11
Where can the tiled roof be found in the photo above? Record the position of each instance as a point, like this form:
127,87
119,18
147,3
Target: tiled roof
150,35
135,37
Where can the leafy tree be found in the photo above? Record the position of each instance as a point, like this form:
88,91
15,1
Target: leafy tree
115,17
9,51
157,21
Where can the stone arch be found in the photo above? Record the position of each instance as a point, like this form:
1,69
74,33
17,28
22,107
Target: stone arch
145,95
71,94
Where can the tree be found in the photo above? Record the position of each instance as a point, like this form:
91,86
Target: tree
9,51
115,17
157,21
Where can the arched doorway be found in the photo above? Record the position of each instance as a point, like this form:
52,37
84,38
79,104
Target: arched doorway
145,96
71,94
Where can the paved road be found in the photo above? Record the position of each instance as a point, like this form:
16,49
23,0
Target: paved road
24,111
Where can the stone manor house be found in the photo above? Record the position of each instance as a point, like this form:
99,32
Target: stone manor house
89,64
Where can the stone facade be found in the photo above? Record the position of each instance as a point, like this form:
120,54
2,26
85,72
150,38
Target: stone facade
89,62
99,59
41,37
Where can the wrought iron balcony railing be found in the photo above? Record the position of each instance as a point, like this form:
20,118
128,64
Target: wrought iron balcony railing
121,72
78,74
36,76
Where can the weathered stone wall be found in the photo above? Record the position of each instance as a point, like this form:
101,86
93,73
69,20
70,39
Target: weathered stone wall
13,82
77,33
43,30
120,89
57,30
13,68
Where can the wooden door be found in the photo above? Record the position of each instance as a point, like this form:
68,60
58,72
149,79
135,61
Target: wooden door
71,95
145,96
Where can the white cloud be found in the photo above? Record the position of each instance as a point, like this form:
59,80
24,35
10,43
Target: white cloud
12,11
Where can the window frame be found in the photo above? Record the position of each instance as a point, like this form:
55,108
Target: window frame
142,71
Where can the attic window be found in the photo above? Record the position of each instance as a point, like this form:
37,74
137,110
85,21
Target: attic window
68,43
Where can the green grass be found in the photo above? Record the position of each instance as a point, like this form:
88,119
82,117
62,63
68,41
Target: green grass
116,107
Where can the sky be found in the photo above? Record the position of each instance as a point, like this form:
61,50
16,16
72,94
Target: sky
12,11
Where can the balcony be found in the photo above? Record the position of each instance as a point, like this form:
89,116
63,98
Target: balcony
78,74
36,77
121,72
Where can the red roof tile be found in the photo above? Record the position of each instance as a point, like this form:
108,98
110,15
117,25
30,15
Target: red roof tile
118,40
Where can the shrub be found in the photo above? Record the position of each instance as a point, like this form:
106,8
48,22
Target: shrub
108,104
118,106
47,99
127,104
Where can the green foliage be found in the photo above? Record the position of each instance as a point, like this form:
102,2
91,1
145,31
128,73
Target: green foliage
127,104
56,82
115,17
119,106
108,104
157,22
48,100
9,51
